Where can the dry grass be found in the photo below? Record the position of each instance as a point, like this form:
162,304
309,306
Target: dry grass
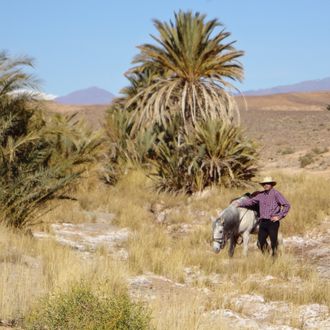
308,195
153,249
183,311
30,268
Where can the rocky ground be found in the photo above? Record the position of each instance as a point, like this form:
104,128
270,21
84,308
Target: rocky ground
287,139
313,248
244,311
287,127
290,139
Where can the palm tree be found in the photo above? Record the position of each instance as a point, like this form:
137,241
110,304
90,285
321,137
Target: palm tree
194,63
41,156
13,81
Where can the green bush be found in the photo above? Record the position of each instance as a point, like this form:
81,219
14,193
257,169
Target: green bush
126,146
212,152
41,155
80,308
307,159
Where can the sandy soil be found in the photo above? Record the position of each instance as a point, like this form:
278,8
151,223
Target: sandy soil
285,126
286,136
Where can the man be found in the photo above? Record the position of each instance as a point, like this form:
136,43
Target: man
272,208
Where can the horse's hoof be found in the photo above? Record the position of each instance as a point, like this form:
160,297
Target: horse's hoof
216,247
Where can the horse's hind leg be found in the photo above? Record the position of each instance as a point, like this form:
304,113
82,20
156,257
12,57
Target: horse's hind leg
246,238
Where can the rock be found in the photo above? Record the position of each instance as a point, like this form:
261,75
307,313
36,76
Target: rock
278,314
231,318
314,248
99,217
160,212
157,207
161,217
149,286
140,282
234,320
89,236
314,316
256,308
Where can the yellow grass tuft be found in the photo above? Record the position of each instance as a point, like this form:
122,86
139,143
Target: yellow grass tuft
31,268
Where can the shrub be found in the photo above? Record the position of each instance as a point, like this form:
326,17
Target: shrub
319,151
41,165
40,155
124,144
81,308
213,152
286,151
306,159
328,107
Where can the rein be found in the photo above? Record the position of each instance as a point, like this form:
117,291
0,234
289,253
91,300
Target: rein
239,240
240,220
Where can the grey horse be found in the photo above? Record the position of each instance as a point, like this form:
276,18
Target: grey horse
234,223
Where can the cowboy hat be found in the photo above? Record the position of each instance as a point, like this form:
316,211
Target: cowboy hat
268,179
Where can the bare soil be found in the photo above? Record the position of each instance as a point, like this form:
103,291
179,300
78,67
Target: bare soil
292,130
285,137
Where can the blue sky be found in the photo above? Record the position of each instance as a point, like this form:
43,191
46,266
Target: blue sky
81,43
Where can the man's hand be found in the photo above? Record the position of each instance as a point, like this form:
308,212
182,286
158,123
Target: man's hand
235,203
275,218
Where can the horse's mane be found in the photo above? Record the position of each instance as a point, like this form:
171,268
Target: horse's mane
231,214
249,195
246,195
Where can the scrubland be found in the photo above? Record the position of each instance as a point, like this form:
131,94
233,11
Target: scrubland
32,268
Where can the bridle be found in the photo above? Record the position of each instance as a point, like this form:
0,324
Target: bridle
221,240
224,237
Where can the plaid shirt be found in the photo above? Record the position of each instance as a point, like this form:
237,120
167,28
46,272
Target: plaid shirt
271,203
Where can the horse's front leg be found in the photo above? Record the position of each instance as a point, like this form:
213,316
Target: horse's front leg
246,238
232,244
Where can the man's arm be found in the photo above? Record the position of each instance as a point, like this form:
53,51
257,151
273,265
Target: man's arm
247,202
283,203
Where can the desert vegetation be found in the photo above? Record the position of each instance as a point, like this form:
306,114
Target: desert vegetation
163,249
177,116
171,154
41,155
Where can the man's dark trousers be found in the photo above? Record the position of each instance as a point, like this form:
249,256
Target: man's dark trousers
268,228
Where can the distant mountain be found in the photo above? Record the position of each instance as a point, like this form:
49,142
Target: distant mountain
88,96
304,86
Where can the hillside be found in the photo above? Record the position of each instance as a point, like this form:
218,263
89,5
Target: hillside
157,247
93,113
300,87
88,96
316,101
278,123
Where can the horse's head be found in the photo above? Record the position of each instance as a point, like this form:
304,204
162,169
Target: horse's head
219,237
